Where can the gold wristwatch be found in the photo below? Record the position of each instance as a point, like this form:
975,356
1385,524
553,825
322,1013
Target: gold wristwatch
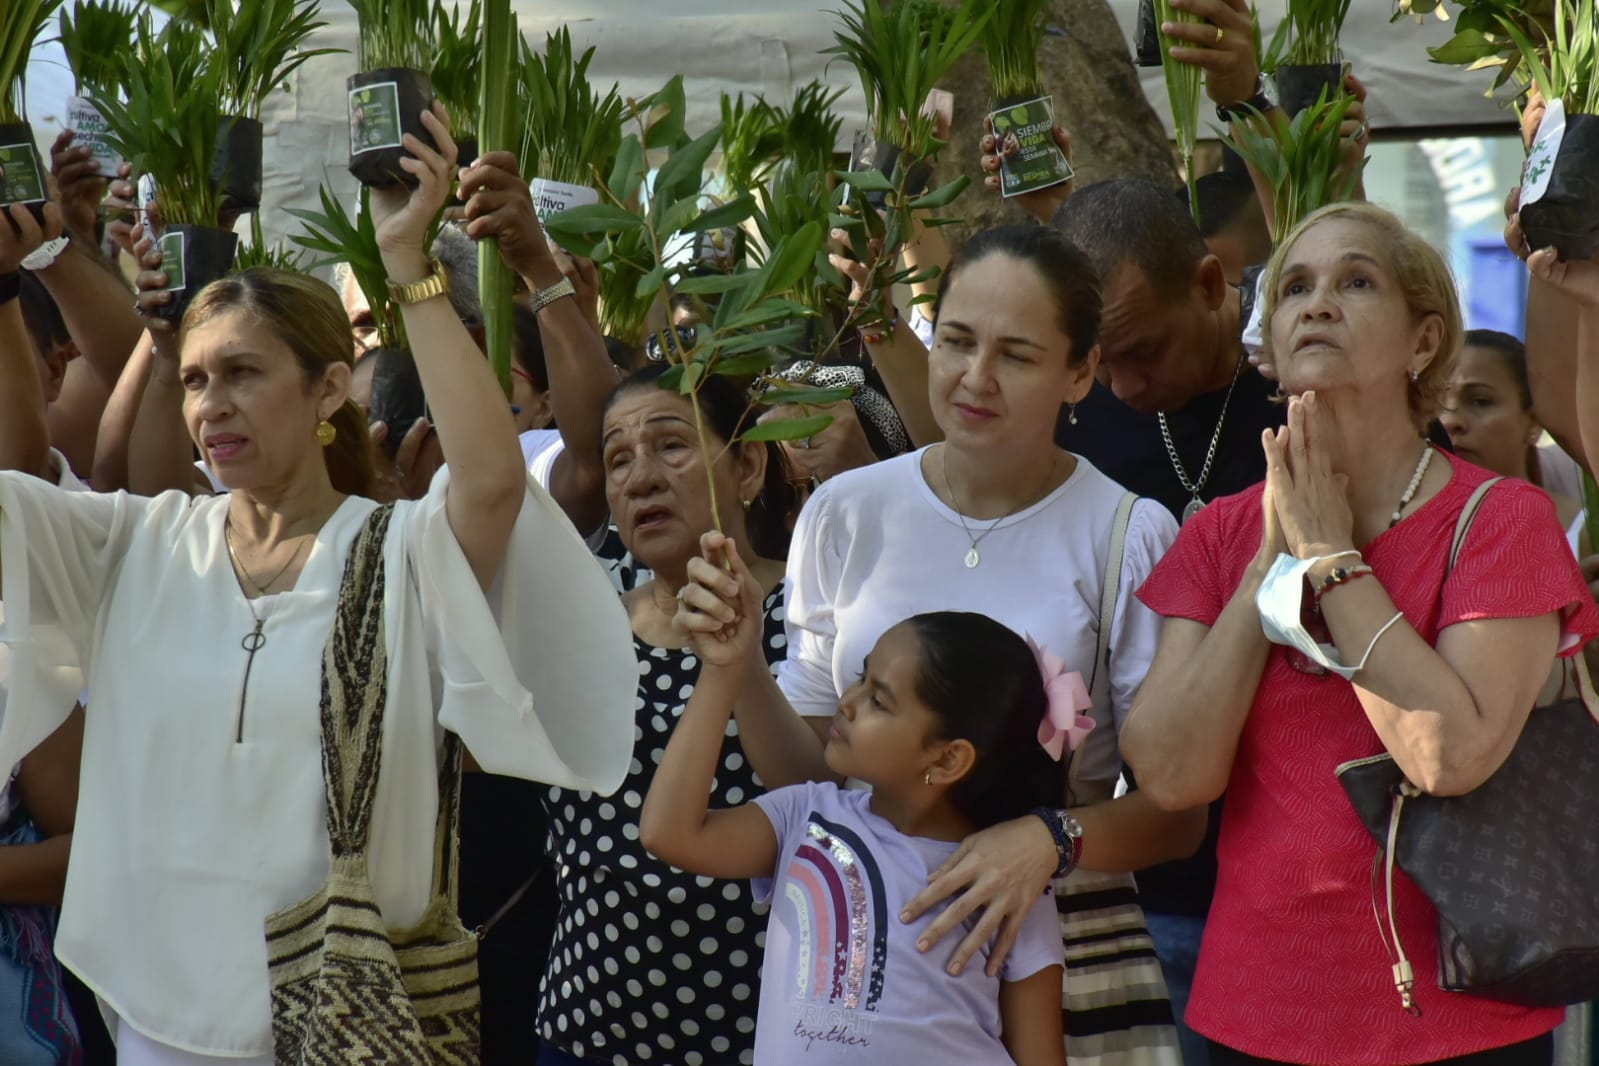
436,283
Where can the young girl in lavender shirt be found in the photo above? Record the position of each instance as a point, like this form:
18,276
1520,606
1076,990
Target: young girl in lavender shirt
956,724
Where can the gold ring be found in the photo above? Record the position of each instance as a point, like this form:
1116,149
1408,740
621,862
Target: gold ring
1220,33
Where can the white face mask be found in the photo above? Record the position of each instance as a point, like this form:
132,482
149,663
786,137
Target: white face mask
1280,601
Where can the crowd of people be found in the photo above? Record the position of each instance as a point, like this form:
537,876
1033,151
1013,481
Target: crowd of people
975,727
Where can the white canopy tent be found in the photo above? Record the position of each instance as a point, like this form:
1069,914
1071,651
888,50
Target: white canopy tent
771,48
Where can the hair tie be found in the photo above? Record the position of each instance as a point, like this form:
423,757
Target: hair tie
1064,725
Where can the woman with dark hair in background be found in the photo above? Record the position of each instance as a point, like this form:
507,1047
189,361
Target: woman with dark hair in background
1487,412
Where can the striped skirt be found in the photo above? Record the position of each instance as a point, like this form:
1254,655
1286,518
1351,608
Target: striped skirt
1114,1005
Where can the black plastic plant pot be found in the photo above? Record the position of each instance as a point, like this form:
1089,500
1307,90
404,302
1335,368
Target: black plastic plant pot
885,157
22,171
236,169
192,258
1566,216
466,150
1300,87
1147,36
397,397
384,105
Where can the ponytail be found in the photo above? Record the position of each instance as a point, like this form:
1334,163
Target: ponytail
349,457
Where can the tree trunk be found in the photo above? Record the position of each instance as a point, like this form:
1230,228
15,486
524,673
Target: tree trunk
1088,68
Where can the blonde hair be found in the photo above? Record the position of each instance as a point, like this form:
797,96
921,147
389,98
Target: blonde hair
307,316
1423,277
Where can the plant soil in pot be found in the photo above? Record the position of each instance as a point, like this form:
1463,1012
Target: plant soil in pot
872,154
397,398
1300,86
1029,158
236,170
192,258
1560,186
22,173
384,105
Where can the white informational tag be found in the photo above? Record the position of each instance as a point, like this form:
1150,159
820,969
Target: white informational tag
171,247
88,131
1254,335
553,197
1540,165
147,200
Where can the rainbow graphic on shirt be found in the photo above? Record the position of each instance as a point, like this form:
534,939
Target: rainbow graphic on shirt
841,920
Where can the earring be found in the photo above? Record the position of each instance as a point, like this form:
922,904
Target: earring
326,432
748,503
1071,414
1415,375
927,778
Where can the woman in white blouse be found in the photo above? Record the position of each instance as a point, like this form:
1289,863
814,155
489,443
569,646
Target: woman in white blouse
199,624
997,519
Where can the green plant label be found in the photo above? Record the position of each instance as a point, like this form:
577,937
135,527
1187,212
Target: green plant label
553,197
20,179
374,117
1029,158
1540,164
171,246
88,131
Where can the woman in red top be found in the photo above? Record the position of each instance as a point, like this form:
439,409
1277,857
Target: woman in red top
1363,324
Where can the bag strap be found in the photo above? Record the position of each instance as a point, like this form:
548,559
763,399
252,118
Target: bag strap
1109,596
1468,514
1110,589
447,829
355,691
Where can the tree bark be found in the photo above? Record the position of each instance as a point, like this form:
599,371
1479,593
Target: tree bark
1088,68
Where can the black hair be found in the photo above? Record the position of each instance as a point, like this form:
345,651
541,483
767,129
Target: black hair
527,345
984,684
1511,352
624,356
1136,222
1071,279
727,414
1224,199
41,315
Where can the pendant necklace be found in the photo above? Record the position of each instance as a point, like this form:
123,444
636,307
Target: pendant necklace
973,557
1195,504
254,640
1415,483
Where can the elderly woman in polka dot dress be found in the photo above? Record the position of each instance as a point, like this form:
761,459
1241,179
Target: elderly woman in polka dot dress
650,964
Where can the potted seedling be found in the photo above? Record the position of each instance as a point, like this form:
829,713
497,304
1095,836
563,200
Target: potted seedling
1023,119
900,50
256,49
388,96
571,133
1301,161
457,70
167,128
94,34
22,174
1305,56
1182,92
397,398
1560,180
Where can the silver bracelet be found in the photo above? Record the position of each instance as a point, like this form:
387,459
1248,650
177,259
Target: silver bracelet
1376,637
545,297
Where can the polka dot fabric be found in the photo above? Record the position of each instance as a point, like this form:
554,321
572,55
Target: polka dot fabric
649,964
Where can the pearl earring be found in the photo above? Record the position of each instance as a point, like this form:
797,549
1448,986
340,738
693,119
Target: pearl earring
1071,414
1415,375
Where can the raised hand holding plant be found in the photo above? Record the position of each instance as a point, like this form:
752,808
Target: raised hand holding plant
1302,161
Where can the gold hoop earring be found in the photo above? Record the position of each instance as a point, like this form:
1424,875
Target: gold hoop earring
326,433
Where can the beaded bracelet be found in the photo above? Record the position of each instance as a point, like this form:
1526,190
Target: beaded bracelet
1342,575
882,331
1067,847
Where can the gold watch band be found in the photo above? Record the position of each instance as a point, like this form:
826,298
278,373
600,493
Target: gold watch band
437,283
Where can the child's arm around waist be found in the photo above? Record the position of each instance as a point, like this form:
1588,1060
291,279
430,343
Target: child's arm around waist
676,825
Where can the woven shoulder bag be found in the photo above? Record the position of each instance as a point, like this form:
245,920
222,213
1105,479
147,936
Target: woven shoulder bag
346,988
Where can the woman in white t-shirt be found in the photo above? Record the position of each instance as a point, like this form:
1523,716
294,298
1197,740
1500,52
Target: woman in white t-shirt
200,627
998,520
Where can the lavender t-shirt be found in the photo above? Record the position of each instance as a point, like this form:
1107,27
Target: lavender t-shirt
842,981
